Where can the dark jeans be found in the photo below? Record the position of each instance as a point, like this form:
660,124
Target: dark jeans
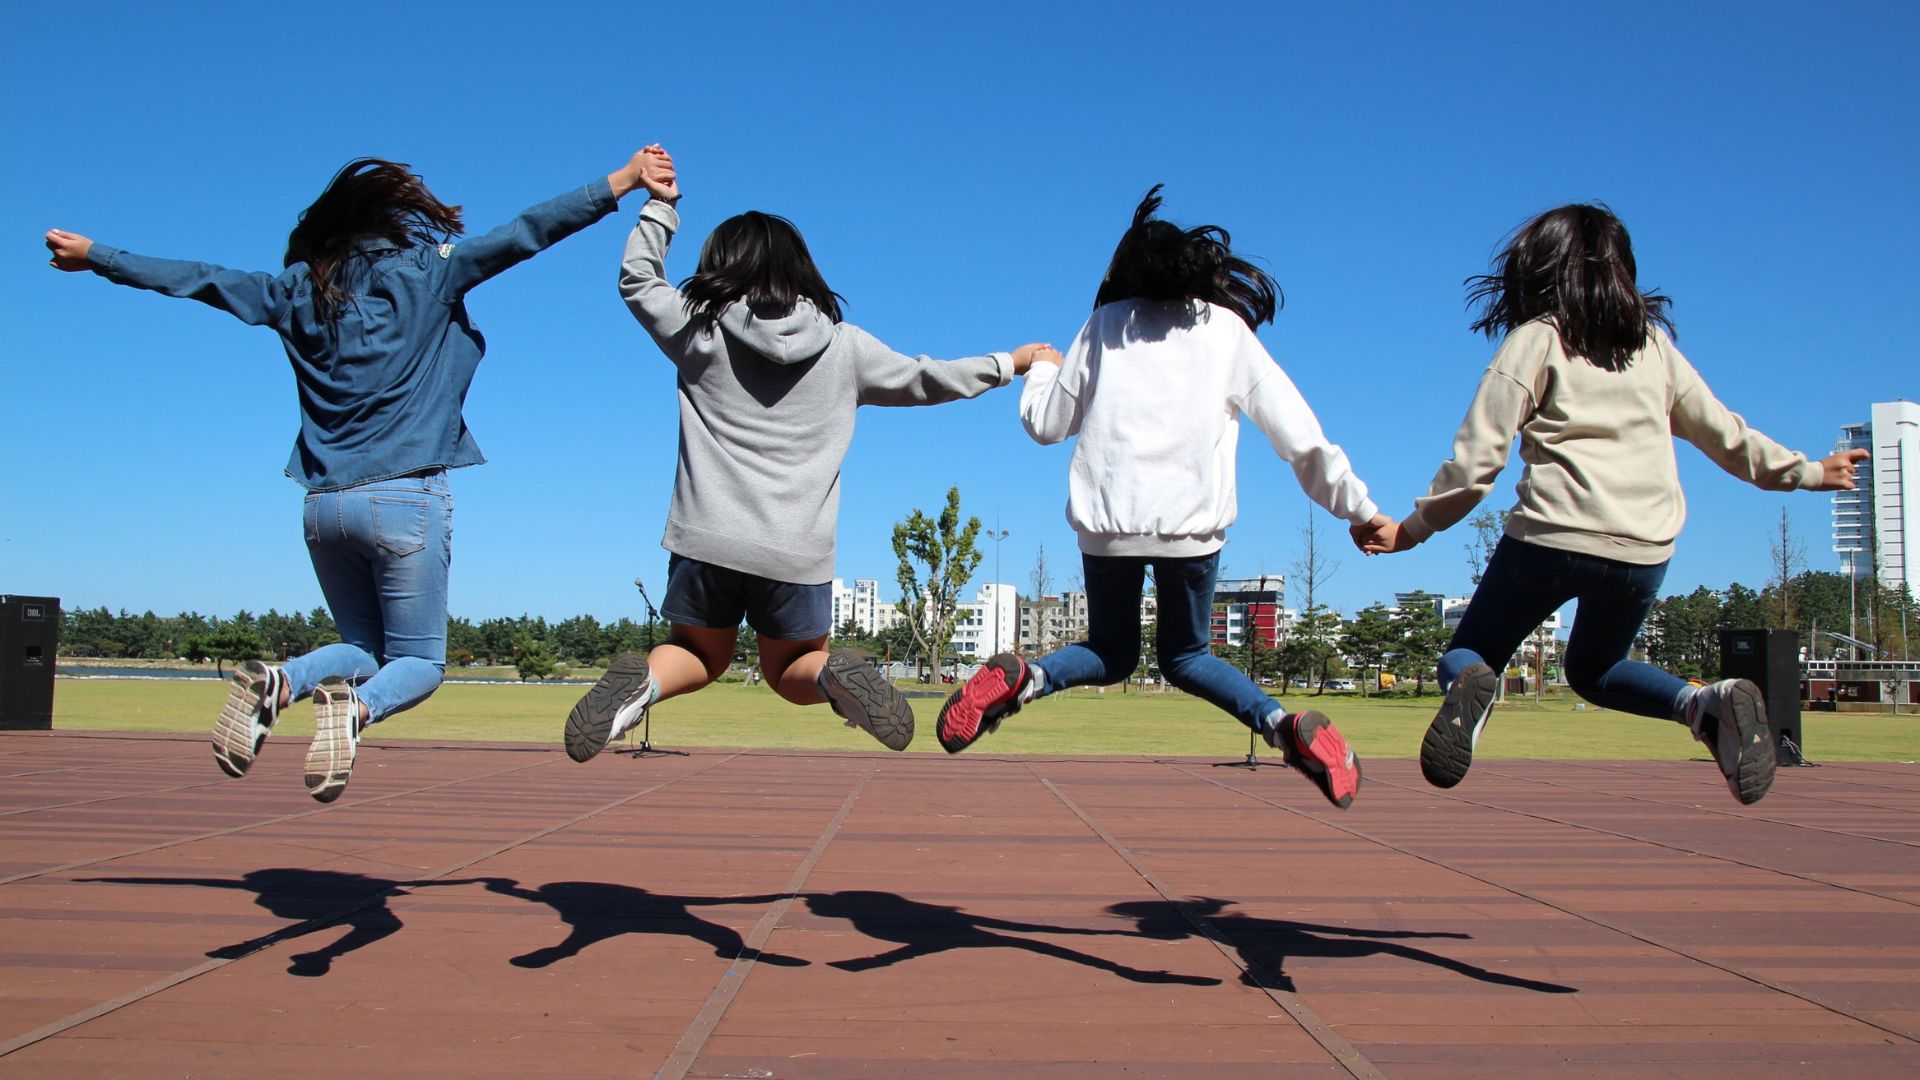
1525,583
1112,649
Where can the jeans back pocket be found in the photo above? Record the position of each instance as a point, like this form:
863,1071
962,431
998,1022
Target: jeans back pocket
400,525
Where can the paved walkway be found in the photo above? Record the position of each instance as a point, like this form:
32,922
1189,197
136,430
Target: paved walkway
489,911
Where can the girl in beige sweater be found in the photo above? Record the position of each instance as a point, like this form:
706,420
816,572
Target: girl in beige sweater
1589,379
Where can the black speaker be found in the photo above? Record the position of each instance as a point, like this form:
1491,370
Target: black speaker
1770,659
29,637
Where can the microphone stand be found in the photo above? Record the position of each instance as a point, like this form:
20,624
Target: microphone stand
646,718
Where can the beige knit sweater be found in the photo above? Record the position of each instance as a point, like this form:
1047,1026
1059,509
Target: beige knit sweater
1598,445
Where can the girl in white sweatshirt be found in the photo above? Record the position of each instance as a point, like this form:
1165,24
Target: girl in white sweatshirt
1154,386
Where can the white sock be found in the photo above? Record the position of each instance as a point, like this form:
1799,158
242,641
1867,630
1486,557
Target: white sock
629,715
1036,685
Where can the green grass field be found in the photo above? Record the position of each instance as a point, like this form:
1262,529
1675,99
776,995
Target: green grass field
1081,722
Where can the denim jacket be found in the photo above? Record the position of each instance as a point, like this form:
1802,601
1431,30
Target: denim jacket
381,386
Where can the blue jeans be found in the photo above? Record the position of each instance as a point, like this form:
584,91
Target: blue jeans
1525,583
1112,649
381,551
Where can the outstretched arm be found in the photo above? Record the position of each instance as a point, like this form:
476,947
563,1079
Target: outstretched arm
256,299
659,307
885,377
1725,438
472,261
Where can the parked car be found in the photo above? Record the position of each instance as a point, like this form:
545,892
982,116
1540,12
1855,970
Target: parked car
1340,684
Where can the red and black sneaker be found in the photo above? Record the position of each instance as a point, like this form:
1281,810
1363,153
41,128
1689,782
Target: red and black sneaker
990,696
1314,747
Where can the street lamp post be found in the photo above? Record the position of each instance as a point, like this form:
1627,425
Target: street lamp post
996,535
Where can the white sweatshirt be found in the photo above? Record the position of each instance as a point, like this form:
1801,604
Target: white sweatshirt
1155,392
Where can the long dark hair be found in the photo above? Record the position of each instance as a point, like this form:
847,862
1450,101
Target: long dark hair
1157,260
759,258
368,198
1573,265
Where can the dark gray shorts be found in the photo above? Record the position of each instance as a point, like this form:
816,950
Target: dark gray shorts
705,595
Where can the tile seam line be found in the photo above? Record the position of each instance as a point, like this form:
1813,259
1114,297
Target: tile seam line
1824,801
1664,845
1596,920
268,822
318,922
97,767
1343,1052
111,798
687,1051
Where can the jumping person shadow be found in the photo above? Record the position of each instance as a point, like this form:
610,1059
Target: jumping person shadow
925,929
596,911
314,900
1265,945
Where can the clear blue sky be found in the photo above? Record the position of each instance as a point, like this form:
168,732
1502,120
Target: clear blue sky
962,174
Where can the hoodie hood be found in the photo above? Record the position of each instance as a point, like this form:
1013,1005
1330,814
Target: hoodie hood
794,338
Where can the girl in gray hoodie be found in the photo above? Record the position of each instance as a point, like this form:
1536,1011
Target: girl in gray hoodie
769,378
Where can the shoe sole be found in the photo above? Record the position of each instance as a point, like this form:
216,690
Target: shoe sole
236,742
1755,759
590,724
1447,752
1338,776
867,700
336,715
963,719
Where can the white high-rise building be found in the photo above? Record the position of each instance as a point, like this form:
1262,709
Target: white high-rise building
860,604
1873,523
988,624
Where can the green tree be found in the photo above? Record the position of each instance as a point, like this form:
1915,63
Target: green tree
1423,637
1369,640
1683,634
533,660
947,552
1488,527
232,642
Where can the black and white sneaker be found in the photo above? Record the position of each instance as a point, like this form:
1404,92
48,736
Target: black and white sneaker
245,721
615,704
1730,717
866,699
1447,751
336,738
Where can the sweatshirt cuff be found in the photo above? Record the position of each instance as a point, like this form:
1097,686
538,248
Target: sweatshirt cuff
101,257
1415,528
661,213
1811,475
1003,363
1364,513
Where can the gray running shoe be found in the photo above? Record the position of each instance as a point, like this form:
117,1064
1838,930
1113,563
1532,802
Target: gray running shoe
1447,751
614,705
1730,717
336,738
245,721
866,699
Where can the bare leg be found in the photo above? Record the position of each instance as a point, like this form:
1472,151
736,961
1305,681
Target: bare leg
692,657
792,666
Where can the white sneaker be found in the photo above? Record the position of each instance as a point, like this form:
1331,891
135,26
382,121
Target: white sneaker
336,738
1730,717
245,721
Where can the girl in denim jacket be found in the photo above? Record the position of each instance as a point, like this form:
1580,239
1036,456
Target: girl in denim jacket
371,308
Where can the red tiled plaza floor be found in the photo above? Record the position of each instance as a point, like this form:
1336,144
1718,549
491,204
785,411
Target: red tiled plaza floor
488,911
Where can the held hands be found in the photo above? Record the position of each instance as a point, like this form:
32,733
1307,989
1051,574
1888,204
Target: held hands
1836,470
657,174
1380,536
1025,355
651,168
70,253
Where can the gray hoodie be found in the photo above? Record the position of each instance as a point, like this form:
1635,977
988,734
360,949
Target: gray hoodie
766,415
